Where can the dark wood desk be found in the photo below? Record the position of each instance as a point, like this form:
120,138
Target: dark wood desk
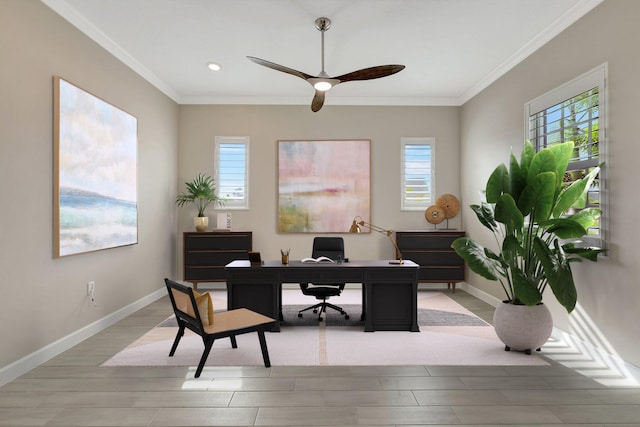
389,292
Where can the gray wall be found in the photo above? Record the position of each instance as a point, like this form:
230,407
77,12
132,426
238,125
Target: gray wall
44,299
265,125
493,122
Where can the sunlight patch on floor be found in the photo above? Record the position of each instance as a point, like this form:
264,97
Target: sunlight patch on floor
586,350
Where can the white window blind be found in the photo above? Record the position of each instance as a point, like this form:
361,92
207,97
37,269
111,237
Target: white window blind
417,173
579,118
232,171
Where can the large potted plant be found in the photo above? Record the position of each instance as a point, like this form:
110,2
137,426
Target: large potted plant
201,192
528,209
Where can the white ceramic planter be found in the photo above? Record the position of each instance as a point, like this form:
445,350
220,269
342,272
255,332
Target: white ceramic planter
201,223
521,327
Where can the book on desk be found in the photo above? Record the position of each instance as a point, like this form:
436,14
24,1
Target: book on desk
317,260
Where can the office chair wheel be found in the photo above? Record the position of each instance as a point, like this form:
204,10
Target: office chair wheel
299,314
346,317
315,310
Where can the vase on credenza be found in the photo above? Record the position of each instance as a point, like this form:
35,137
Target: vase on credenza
201,223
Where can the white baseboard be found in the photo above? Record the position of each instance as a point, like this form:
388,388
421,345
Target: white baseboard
481,295
21,366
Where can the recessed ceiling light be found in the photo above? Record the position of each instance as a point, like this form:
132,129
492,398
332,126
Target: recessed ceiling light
213,66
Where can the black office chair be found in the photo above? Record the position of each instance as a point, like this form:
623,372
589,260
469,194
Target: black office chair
331,247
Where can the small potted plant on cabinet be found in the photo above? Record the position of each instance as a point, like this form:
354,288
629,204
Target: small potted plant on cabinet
201,191
526,210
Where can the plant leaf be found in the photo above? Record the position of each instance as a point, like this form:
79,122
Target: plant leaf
588,253
475,257
518,178
484,212
573,195
201,191
524,288
564,228
498,183
538,196
511,247
587,217
557,270
508,214
528,151
562,153
543,161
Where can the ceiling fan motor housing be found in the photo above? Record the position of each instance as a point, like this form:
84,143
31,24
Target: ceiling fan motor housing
323,82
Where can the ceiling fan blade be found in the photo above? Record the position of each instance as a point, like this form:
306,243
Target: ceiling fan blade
318,101
371,73
279,67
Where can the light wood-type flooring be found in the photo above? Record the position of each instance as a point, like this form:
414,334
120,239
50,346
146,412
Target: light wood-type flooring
73,390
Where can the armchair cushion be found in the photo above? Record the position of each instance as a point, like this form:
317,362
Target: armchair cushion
205,307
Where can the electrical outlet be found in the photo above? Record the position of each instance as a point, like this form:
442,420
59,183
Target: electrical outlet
91,288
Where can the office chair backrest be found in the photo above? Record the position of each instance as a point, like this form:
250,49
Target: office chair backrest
332,247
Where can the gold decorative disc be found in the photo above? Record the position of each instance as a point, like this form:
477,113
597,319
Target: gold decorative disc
434,214
449,204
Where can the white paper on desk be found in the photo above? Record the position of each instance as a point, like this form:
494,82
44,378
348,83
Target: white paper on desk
224,221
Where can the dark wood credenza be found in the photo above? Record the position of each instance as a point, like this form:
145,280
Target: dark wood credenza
431,249
206,253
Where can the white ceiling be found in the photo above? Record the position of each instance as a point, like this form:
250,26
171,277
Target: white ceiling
452,49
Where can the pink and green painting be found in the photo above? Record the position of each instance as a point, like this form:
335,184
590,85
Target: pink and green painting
323,185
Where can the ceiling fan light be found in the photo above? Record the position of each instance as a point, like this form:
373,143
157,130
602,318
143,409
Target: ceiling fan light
322,85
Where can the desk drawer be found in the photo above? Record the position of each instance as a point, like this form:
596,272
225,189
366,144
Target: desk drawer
398,275
210,241
326,275
429,240
251,275
434,257
217,258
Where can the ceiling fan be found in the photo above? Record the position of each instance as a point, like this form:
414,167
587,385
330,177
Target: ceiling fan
323,82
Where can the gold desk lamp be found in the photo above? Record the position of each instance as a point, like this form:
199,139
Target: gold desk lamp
359,222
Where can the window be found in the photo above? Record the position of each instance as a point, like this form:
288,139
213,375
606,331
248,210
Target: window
575,112
232,171
417,173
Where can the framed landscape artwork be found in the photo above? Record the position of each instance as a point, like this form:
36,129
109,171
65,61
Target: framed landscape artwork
95,173
323,185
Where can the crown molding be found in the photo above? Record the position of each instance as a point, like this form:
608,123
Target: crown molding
298,100
62,8
544,37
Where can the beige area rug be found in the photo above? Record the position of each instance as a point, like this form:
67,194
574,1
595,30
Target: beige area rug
439,342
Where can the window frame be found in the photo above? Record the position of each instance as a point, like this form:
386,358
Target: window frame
428,141
239,140
597,77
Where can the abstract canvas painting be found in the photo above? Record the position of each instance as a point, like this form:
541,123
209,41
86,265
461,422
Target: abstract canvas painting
95,173
323,185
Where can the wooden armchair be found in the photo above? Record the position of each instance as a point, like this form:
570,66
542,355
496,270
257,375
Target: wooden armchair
225,324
